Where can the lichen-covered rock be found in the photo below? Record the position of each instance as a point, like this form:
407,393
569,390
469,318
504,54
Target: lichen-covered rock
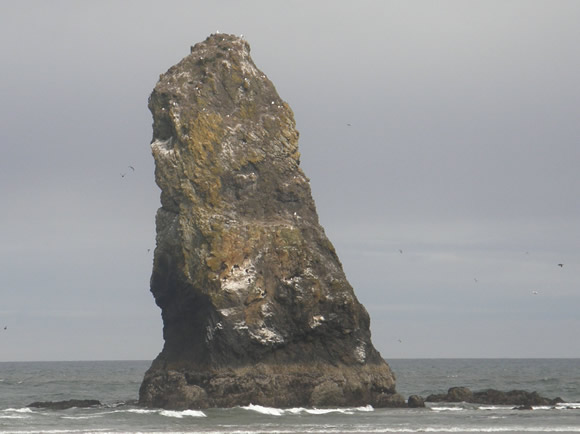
255,305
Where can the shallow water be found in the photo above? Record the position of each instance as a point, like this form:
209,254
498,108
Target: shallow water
116,385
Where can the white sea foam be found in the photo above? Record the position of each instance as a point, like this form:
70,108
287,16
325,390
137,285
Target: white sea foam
138,411
447,408
568,405
265,410
325,410
19,410
494,407
95,416
15,413
166,413
349,410
182,414
272,411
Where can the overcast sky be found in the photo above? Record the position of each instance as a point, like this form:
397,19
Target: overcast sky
447,130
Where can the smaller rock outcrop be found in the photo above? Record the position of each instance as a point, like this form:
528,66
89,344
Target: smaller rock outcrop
493,397
63,405
523,407
415,401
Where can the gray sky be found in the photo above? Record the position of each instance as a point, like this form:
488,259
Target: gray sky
462,151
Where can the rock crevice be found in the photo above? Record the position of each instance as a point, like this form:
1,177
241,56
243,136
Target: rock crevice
255,304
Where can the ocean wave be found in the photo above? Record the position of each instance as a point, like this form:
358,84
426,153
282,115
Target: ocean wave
136,410
273,411
495,407
182,414
13,416
561,406
15,413
167,413
447,408
19,410
568,406
342,430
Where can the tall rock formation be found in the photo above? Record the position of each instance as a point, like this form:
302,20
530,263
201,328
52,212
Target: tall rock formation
255,305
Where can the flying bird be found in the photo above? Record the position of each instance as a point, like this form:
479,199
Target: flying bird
560,265
535,292
125,173
401,251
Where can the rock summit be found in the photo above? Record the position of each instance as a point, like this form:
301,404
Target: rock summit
255,305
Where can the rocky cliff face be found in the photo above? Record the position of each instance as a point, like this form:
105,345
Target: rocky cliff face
255,305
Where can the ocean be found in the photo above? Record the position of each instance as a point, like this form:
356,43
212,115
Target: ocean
116,385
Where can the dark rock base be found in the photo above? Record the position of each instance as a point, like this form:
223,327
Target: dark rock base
281,386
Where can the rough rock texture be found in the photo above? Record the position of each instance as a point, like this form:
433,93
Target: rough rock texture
493,397
255,305
415,401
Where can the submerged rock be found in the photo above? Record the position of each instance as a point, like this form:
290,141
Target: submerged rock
255,304
63,405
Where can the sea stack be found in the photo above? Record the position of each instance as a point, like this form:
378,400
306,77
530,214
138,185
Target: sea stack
255,305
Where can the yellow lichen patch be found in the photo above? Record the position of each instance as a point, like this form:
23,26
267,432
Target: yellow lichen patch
205,134
229,248
245,156
206,128
235,77
248,110
214,263
290,236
